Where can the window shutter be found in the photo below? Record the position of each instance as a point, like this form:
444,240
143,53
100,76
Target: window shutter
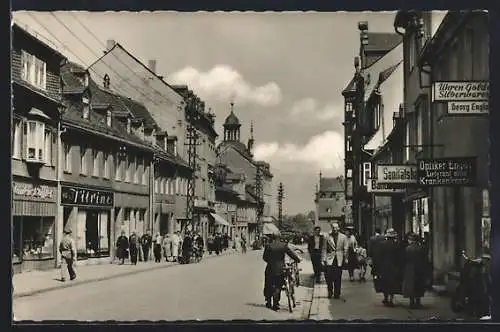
55,151
24,140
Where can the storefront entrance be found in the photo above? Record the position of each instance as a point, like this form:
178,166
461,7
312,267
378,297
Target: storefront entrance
164,223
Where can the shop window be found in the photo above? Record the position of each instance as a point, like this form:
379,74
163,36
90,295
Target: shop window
83,160
128,170
16,138
157,184
67,157
35,133
37,237
145,171
33,70
126,214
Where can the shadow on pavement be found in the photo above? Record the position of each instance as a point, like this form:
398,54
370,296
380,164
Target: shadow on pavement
256,305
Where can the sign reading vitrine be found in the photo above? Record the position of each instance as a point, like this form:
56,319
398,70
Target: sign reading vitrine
447,171
86,197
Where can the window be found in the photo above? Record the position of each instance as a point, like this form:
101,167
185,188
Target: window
349,173
37,236
95,159
86,108
407,141
106,164
118,168
128,170
348,142
33,70
67,157
48,146
176,186
35,132
126,214
145,171
83,160
419,125
367,173
328,210
17,138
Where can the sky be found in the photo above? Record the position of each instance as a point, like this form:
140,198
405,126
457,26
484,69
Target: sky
284,71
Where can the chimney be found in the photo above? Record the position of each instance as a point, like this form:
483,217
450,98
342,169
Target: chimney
110,43
108,118
152,65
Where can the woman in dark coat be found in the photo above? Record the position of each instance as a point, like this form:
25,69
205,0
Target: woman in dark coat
122,246
414,271
187,248
388,269
133,248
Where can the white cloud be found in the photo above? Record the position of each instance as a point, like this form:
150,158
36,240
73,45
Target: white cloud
324,151
224,83
309,111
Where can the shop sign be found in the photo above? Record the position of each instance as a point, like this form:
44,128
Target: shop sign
396,174
447,172
86,197
201,203
29,190
461,91
386,188
468,107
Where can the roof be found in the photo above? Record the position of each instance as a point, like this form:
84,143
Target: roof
385,74
379,43
17,29
71,82
331,184
232,120
350,88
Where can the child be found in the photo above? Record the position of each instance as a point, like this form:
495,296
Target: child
362,257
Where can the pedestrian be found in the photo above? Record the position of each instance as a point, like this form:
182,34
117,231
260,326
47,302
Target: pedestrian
67,249
122,246
334,256
243,243
187,248
133,247
157,247
315,246
225,241
219,243
176,239
388,267
351,255
139,247
414,271
274,256
200,244
210,243
167,247
361,256
146,242
237,243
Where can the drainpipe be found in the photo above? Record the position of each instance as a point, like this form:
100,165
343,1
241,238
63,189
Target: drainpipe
59,225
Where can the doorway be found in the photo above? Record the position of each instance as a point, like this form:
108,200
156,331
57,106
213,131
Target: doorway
164,221
92,233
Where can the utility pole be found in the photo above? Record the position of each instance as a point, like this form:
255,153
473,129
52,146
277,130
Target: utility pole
192,141
260,195
280,204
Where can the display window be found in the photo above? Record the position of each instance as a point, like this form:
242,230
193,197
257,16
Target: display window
32,238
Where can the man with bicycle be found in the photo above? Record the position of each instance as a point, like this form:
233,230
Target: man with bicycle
274,256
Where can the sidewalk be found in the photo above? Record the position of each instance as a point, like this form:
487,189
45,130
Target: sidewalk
359,301
34,282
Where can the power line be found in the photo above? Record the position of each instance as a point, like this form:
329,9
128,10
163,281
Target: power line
114,55
90,49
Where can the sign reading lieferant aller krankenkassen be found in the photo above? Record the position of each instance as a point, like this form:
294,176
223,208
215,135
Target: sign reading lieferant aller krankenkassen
447,172
463,97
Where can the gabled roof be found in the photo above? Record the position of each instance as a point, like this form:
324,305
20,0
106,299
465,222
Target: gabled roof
17,29
379,44
331,184
350,88
69,76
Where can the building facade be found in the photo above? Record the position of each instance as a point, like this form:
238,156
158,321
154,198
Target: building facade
454,207
330,202
36,113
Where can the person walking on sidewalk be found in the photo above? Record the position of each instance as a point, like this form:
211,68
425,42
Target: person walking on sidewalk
274,256
133,248
414,271
353,244
167,247
388,267
157,248
122,246
67,248
176,240
334,257
315,246
146,242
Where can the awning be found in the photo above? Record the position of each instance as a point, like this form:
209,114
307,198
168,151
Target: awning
37,112
269,228
218,219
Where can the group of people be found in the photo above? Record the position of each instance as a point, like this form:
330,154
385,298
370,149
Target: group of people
399,266
217,242
173,247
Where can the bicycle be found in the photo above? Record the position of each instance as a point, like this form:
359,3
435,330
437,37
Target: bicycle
288,285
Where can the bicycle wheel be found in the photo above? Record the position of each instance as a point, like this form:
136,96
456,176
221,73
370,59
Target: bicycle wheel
288,295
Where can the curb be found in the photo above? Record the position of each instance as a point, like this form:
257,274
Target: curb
309,298
88,281
314,308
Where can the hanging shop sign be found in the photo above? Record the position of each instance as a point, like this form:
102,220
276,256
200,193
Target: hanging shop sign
447,172
386,188
463,97
30,191
404,174
86,197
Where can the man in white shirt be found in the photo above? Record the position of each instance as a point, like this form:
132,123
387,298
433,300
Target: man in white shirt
334,257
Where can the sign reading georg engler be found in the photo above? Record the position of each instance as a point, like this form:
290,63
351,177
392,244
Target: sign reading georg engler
447,172
396,174
86,197
461,91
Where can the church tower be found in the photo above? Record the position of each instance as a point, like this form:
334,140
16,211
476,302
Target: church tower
250,140
232,127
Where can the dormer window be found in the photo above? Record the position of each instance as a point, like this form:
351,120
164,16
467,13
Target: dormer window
108,118
86,108
86,80
106,81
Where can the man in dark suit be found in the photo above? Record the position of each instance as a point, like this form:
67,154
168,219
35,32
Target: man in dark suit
274,256
315,246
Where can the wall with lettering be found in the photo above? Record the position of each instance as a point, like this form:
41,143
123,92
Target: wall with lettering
33,192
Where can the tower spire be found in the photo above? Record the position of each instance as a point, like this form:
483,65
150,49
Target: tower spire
232,105
251,130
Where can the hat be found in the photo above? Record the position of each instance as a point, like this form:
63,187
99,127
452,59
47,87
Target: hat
391,232
317,228
67,230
